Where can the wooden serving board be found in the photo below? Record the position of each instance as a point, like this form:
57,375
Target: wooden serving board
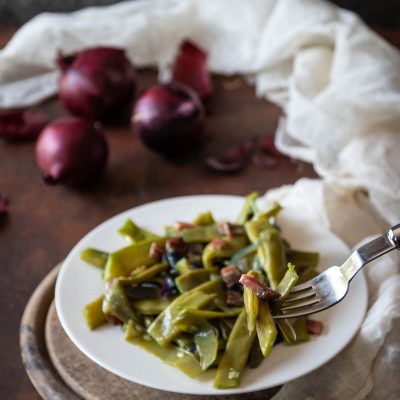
59,371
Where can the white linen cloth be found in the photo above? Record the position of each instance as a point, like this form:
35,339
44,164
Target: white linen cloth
339,86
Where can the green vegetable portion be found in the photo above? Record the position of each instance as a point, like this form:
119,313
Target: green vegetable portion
178,296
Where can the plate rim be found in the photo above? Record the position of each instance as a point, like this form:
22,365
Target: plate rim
360,277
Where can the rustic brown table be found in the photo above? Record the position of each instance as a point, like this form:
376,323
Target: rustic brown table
45,222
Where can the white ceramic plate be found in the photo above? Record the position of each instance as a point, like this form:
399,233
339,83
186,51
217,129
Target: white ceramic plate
79,283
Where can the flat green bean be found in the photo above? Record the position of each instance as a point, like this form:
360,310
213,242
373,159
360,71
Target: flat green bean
204,219
134,234
172,355
93,314
125,260
192,279
94,257
235,356
227,250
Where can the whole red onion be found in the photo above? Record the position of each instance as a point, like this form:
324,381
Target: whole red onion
72,151
97,82
169,119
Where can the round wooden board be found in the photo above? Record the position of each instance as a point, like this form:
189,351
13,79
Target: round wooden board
59,371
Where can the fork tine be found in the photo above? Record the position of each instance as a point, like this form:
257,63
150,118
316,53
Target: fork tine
302,287
302,304
299,296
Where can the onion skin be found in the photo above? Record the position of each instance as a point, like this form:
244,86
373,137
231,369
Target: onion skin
96,83
169,119
71,151
233,159
22,124
191,69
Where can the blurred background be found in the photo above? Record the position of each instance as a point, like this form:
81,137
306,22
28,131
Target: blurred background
385,13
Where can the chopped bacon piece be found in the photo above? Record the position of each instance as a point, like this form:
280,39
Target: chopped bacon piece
314,327
156,251
259,288
218,243
230,275
175,244
234,298
180,226
229,229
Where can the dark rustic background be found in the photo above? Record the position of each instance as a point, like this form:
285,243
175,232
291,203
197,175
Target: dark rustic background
375,12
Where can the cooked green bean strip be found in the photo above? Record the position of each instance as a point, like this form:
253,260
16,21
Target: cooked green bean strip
171,232
172,355
147,320
205,336
150,306
140,275
94,257
218,359
266,328
307,274
133,330
206,341
303,258
183,266
164,329
93,314
235,356
184,340
134,234
225,326
125,260
244,252
192,279
196,329
224,248
270,252
293,330
285,286
255,356
221,343
210,314
248,209
203,219
200,234
272,210
251,303
116,303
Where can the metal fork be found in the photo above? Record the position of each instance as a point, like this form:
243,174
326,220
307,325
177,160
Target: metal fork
332,285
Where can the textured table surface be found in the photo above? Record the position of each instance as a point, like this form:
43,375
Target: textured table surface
45,222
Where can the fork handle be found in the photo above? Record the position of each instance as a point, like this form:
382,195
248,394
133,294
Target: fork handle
370,251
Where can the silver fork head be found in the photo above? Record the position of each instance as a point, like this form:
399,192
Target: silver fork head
321,292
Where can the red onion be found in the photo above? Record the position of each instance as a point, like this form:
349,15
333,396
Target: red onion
97,82
191,69
72,151
233,159
169,119
3,205
268,147
20,124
